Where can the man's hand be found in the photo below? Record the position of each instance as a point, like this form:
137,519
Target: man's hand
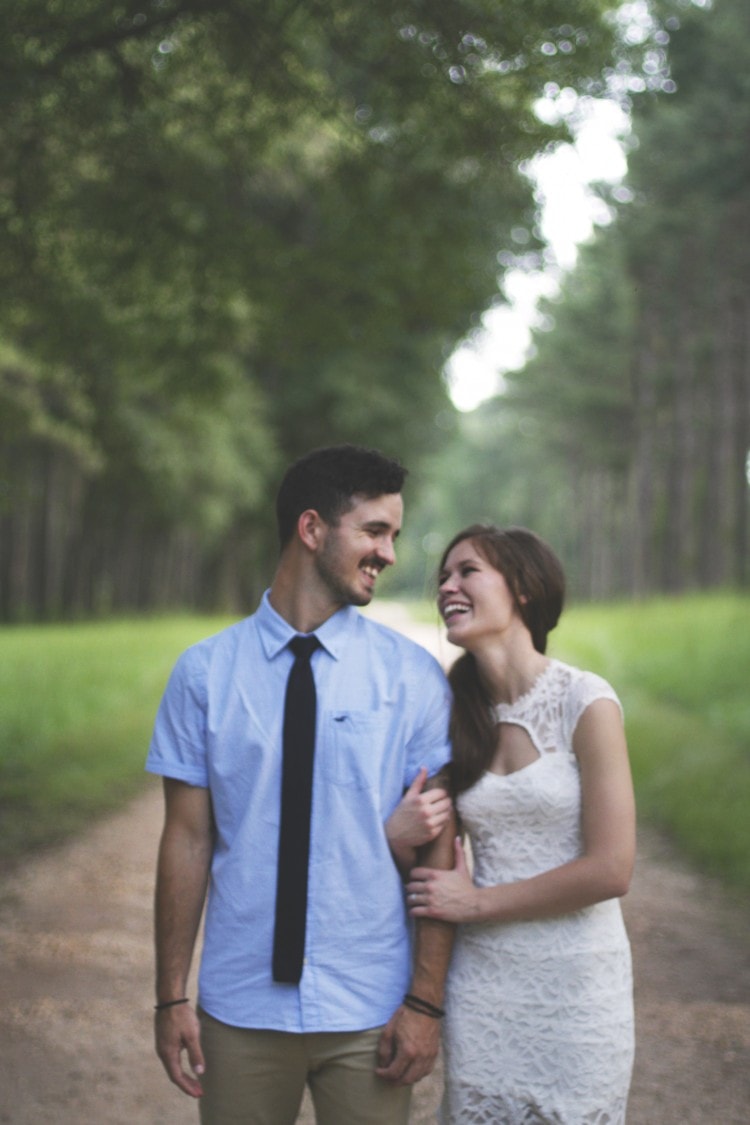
408,1047
177,1029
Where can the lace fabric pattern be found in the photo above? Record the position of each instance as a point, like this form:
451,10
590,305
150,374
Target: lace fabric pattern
539,1022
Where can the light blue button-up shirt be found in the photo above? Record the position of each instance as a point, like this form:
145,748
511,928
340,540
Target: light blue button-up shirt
383,708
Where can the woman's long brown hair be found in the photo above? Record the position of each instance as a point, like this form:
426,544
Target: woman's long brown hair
536,582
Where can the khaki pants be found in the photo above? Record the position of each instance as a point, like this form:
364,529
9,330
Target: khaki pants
259,1078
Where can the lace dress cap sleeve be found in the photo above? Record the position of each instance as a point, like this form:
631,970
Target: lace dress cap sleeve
585,688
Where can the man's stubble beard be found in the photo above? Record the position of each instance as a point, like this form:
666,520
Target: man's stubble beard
329,573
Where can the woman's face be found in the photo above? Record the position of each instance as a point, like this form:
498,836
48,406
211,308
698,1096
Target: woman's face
473,598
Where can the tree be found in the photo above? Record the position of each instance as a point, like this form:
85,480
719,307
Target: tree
640,393
233,231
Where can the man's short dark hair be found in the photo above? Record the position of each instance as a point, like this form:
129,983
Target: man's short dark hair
328,479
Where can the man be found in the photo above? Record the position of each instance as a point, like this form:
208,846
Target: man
351,1013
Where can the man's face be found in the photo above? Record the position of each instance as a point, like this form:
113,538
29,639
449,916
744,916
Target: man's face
355,550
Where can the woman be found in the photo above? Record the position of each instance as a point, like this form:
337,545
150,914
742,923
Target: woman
539,1018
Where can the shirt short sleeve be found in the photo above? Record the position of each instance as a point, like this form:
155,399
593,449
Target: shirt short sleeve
178,744
429,745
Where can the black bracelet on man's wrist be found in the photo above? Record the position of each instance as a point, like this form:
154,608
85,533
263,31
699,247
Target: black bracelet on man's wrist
424,1007
171,1003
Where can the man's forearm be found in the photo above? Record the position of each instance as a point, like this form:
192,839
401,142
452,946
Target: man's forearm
433,941
410,1042
182,878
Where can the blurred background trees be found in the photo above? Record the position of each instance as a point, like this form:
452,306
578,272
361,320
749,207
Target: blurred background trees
625,439
232,231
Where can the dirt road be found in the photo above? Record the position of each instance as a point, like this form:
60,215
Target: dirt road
76,992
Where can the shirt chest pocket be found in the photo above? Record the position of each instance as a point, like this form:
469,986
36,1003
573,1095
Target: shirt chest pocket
352,748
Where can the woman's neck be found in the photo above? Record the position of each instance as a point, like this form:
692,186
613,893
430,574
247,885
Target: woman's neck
508,672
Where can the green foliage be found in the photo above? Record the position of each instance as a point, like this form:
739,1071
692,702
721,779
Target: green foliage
77,705
348,178
233,231
577,385
680,667
624,439
44,403
492,466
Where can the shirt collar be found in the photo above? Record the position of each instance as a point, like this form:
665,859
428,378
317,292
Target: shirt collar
275,633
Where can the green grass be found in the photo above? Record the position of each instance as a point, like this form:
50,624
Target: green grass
77,705
682,669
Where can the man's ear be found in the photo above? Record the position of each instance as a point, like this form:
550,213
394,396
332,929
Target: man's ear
310,528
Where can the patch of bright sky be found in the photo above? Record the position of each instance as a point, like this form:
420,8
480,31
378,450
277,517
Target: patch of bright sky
570,211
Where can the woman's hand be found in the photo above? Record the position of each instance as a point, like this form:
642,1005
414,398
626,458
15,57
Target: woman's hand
447,895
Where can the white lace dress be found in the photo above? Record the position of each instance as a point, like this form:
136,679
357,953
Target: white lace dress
539,1015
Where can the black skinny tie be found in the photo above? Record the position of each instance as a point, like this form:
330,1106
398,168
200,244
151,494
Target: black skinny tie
296,801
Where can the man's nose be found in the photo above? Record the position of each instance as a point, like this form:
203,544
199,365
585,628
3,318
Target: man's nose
387,551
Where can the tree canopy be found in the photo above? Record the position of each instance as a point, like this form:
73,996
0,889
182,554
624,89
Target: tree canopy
630,425
232,231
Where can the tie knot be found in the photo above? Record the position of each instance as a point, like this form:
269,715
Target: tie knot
304,646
